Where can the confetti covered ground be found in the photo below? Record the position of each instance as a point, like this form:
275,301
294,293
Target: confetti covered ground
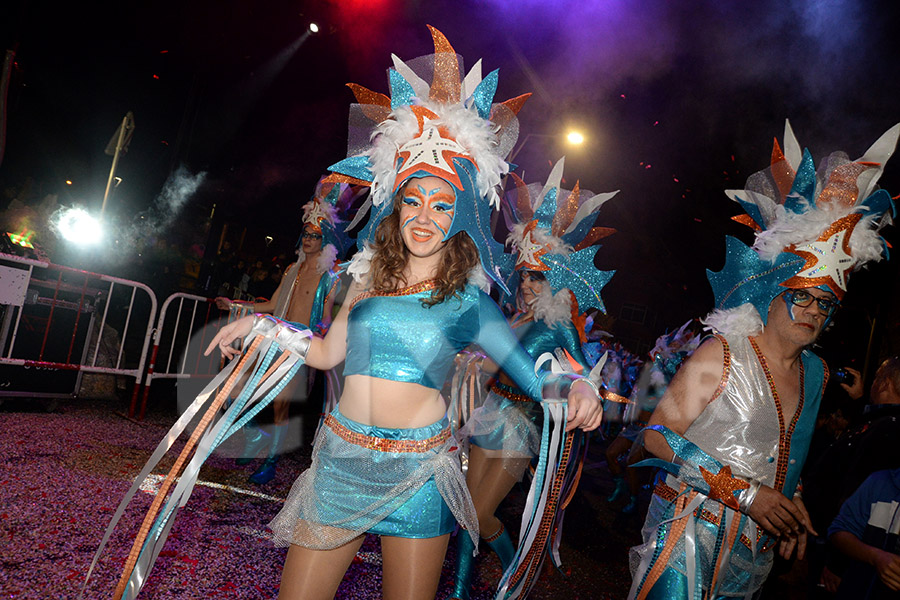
67,464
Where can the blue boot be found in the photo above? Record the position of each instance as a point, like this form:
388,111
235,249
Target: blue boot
464,559
631,507
255,439
266,472
502,544
620,489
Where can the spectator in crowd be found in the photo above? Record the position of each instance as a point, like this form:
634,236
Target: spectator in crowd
864,536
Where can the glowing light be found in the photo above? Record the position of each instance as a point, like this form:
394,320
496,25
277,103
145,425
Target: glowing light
77,225
22,239
314,28
68,182
575,138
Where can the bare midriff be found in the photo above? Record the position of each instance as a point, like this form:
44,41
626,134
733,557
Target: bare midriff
390,404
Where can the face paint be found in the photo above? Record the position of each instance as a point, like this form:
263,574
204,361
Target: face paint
438,202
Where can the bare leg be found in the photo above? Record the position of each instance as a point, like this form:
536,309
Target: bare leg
315,574
412,567
490,480
617,448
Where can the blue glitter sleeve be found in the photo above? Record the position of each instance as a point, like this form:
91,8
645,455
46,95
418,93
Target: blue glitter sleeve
501,344
568,339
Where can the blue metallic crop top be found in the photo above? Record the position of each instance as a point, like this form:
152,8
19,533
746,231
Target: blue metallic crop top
393,336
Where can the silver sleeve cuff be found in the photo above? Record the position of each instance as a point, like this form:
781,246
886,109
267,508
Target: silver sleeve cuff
557,386
746,497
288,336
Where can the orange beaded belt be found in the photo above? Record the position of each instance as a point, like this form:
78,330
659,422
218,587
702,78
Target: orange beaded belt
383,445
509,392
666,493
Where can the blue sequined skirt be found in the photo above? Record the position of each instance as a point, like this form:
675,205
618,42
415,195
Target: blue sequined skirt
367,479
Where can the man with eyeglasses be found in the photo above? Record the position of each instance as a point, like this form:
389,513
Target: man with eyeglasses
733,429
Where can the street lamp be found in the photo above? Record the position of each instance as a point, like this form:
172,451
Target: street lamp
573,138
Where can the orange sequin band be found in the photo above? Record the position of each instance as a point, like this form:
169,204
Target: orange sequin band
495,536
726,368
669,495
422,286
383,445
509,392
614,397
785,434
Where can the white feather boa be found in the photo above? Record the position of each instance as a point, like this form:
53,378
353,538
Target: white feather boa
740,321
552,308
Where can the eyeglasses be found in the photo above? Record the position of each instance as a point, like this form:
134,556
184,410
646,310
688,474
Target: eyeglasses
803,299
306,235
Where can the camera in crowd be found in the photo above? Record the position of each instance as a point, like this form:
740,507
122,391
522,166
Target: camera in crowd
842,375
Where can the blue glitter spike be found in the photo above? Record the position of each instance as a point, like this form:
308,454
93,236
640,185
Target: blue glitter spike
547,210
354,166
748,278
376,214
483,96
804,185
878,204
402,92
752,210
577,273
472,215
580,231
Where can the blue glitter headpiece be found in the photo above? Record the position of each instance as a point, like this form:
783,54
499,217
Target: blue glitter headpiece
449,128
554,234
813,227
322,211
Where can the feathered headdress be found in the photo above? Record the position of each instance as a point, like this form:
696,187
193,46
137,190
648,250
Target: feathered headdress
448,128
322,214
812,229
554,234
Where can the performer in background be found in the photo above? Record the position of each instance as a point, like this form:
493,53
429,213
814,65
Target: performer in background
734,426
385,462
295,300
556,282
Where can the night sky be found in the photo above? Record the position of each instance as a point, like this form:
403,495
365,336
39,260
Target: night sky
678,101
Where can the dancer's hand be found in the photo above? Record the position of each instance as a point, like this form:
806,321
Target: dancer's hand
779,516
585,408
229,333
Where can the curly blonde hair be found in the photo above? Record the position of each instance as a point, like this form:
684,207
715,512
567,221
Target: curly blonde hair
390,256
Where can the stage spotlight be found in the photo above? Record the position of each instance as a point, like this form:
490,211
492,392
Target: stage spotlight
79,227
313,28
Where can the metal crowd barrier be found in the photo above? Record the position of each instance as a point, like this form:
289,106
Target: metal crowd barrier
59,323
185,326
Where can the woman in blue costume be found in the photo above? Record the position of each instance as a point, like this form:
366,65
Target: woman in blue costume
385,462
505,432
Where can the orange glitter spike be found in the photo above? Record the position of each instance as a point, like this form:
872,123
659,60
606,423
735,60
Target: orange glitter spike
566,212
515,104
339,178
523,199
593,236
841,187
366,96
445,86
748,221
782,172
376,107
